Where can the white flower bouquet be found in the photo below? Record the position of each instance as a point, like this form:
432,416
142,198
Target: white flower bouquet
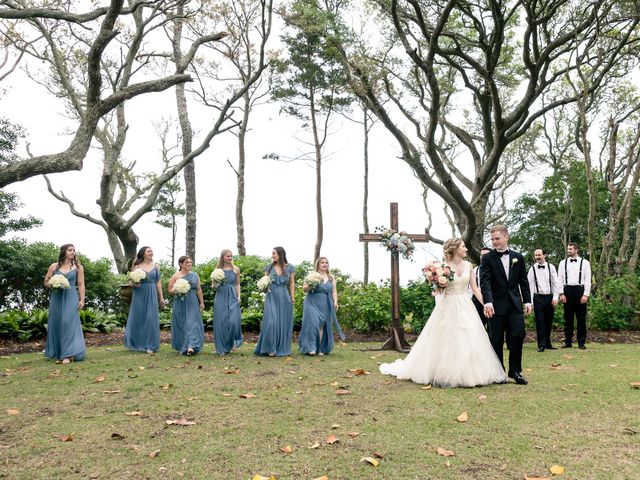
59,281
181,287
264,283
137,275
217,277
313,280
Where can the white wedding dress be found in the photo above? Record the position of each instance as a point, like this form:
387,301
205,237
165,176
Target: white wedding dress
453,349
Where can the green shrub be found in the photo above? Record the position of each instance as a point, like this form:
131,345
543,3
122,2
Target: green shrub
416,305
364,308
615,305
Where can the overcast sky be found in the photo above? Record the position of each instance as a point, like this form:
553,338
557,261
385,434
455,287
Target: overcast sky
279,205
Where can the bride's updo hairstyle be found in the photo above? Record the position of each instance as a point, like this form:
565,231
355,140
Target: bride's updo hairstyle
450,247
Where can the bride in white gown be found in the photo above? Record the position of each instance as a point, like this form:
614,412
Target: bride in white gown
453,349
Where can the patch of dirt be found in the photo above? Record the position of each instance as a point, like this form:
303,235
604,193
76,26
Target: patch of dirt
10,346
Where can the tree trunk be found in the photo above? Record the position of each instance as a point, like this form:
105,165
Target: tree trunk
318,164
240,243
190,204
365,199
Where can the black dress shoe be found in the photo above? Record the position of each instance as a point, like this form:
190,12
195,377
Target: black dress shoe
582,347
541,349
550,347
519,379
566,346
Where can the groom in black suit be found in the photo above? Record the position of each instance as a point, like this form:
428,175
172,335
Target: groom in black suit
504,285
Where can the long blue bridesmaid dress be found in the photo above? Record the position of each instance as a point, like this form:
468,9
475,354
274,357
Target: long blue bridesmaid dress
187,330
227,330
319,315
142,331
64,330
277,321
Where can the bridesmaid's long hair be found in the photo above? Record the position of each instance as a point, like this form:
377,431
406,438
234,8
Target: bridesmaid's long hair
282,259
450,247
221,262
63,254
139,257
316,267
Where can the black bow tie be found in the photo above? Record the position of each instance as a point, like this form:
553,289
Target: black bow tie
541,266
573,259
506,252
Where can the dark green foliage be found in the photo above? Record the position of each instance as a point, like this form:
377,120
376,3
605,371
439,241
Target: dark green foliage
615,307
9,203
365,308
416,305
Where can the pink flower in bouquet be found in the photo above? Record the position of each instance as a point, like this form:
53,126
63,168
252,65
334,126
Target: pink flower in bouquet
443,281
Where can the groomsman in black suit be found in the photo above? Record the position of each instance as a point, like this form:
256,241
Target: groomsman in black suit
574,275
503,280
477,302
543,283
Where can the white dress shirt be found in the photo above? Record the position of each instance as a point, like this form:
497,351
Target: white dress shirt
542,276
572,276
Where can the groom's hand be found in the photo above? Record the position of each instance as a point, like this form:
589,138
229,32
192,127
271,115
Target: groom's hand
489,311
527,309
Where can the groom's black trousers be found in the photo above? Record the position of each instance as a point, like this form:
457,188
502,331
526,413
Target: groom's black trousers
511,325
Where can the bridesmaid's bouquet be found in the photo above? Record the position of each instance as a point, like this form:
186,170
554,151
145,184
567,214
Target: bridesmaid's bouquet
137,276
264,283
313,280
439,275
181,287
217,277
59,281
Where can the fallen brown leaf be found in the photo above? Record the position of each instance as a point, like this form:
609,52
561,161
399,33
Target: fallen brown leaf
354,434
154,454
463,417
426,387
13,411
181,421
315,445
342,391
331,439
370,460
66,438
286,449
227,395
444,453
117,436
635,384
260,477
101,378
111,392
324,477
135,413
482,397
334,384
359,371
556,470
166,386
335,425
248,395
378,455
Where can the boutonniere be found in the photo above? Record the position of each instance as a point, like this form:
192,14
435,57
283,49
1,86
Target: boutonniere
514,261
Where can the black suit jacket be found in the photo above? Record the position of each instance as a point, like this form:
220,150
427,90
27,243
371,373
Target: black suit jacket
506,294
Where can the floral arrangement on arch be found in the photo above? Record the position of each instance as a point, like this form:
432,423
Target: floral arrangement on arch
439,275
398,243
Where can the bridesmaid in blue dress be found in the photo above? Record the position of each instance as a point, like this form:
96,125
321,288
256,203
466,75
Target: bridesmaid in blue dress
319,314
142,332
227,330
187,330
65,342
277,321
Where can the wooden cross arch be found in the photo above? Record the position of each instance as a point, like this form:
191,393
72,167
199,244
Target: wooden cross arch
396,340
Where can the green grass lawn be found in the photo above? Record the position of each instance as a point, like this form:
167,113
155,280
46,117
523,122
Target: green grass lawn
579,411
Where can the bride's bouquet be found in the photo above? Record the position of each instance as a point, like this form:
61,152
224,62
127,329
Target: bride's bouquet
439,275
217,277
181,287
264,283
313,280
137,276
59,281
